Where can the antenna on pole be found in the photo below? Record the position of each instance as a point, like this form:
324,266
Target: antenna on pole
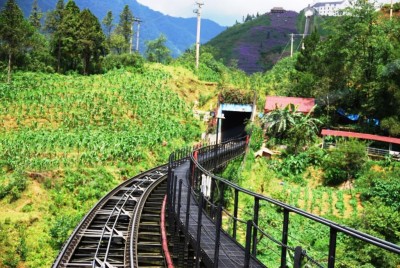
198,12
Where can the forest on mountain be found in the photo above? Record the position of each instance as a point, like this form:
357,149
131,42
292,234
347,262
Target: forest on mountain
180,32
79,114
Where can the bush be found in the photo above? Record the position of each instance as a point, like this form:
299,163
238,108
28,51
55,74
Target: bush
14,187
257,136
61,229
344,162
115,61
384,185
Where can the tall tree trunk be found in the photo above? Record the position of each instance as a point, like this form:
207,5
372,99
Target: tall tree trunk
9,67
59,57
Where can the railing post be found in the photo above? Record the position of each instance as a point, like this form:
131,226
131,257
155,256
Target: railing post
187,213
179,205
199,218
284,237
298,257
332,248
218,225
235,213
170,196
212,198
174,192
248,244
255,220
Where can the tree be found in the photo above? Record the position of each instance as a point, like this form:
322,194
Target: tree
36,15
279,121
69,30
303,132
117,43
344,162
125,24
289,124
157,51
52,25
14,33
108,23
91,39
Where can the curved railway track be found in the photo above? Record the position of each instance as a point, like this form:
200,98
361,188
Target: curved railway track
107,235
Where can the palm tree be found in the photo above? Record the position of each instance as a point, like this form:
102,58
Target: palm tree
287,123
280,120
303,131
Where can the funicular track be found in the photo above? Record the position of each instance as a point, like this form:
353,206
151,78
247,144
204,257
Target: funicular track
106,235
123,229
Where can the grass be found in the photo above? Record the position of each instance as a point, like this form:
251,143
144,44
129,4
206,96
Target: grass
66,142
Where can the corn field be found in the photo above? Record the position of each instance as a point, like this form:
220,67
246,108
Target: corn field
78,137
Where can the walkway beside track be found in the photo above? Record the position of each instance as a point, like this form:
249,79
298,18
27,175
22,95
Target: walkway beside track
231,254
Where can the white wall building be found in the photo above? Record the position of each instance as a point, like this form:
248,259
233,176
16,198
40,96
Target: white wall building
331,8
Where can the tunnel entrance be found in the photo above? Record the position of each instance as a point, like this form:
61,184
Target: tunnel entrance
234,124
233,119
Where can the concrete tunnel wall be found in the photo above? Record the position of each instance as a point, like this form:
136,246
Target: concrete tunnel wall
235,117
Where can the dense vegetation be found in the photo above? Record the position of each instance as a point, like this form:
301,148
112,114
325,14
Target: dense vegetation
80,115
66,142
180,32
258,43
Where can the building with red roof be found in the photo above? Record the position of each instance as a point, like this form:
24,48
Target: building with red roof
303,105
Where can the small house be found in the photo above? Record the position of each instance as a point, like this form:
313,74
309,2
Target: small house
303,105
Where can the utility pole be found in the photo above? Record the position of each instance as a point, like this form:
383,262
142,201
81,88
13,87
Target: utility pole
291,45
198,12
391,9
137,33
292,40
131,42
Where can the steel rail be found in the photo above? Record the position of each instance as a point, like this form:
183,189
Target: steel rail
136,220
139,182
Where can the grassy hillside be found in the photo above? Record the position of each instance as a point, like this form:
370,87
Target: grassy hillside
258,44
68,140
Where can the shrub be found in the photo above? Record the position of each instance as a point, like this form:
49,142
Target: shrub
344,162
61,228
115,61
257,136
14,187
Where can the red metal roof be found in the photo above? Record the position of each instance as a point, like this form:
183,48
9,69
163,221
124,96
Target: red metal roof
328,132
304,105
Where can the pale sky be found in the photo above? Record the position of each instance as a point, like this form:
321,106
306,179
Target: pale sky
224,12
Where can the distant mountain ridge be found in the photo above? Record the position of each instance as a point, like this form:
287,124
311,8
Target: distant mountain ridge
180,32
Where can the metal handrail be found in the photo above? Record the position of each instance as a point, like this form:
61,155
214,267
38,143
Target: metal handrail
352,232
203,161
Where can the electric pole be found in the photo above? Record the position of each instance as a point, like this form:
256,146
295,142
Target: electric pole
292,41
137,33
391,9
291,45
198,12
131,42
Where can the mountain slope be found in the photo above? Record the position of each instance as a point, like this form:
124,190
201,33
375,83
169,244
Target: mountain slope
180,32
256,45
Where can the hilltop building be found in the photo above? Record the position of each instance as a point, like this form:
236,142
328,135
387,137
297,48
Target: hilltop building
331,8
278,10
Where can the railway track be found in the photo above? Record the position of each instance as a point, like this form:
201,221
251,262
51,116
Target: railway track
107,236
